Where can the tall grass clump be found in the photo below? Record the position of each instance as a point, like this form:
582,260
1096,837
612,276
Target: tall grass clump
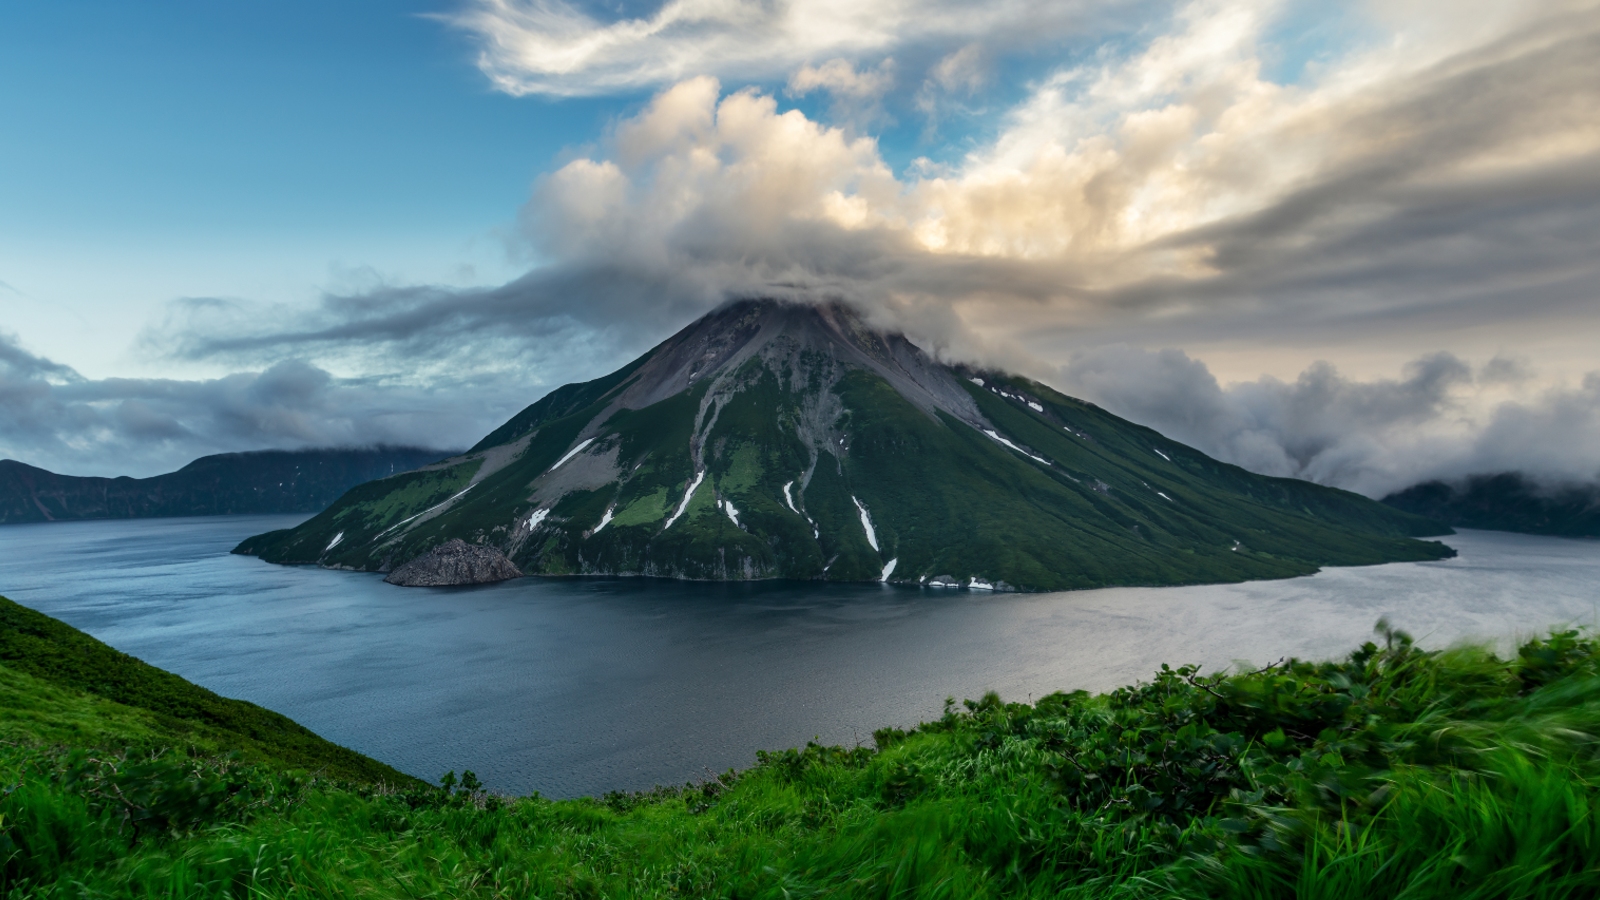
1394,772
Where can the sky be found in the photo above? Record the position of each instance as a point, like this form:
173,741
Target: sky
1355,243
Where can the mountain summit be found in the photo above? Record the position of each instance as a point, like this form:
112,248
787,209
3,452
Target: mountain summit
782,440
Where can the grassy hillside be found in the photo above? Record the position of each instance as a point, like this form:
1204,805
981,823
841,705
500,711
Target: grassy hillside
1391,773
61,686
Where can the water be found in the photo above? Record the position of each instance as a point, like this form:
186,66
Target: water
581,686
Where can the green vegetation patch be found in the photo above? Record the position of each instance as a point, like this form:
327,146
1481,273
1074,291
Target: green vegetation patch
59,679
1394,772
646,510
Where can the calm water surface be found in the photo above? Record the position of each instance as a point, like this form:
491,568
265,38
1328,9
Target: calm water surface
582,686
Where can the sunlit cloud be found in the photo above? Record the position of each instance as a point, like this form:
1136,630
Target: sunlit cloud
558,48
1436,173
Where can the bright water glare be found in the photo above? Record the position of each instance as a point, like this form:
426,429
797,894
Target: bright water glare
580,686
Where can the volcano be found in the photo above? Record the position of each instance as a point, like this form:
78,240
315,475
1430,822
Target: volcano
782,440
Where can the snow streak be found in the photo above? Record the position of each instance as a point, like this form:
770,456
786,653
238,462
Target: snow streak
888,569
866,523
570,454
727,506
604,521
426,511
1015,447
687,496
334,543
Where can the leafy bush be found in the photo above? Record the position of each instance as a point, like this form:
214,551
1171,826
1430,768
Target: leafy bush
1394,772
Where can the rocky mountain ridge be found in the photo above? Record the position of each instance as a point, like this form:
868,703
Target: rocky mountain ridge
783,440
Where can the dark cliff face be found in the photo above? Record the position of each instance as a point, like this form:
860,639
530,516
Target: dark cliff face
267,481
454,563
779,440
1507,501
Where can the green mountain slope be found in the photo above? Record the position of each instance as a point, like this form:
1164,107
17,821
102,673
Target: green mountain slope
1507,501
772,440
62,686
263,481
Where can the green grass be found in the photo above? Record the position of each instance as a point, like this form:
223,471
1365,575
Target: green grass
1392,773
61,686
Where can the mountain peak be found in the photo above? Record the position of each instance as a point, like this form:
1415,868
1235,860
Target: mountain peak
779,439
800,341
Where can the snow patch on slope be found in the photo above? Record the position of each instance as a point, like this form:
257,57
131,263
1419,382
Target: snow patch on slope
727,507
789,499
428,510
866,523
571,453
1015,447
888,569
537,517
687,496
1162,455
604,521
334,543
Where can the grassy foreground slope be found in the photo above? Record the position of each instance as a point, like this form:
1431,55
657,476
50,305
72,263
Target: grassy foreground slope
1392,773
61,686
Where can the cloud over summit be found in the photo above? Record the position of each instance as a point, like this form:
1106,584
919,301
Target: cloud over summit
1421,177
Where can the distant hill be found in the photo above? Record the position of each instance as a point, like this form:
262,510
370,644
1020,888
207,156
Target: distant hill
263,481
1508,501
776,440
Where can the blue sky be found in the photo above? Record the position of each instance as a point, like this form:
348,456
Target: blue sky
239,225
249,149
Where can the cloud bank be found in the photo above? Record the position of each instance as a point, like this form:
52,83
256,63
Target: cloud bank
1443,419
1428,179
1438,180
53,417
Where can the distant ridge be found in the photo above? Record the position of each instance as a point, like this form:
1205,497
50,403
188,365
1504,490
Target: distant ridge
783,440
1506,501
261,481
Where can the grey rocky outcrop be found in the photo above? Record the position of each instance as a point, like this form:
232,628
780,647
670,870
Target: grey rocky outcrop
455,562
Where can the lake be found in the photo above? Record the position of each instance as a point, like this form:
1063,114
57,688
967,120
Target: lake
580,686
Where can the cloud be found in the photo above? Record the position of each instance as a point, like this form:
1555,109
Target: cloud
1433,179
857,96
1441,420
51,416
840,78
557,48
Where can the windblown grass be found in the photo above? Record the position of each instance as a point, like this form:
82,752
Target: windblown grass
1394,772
